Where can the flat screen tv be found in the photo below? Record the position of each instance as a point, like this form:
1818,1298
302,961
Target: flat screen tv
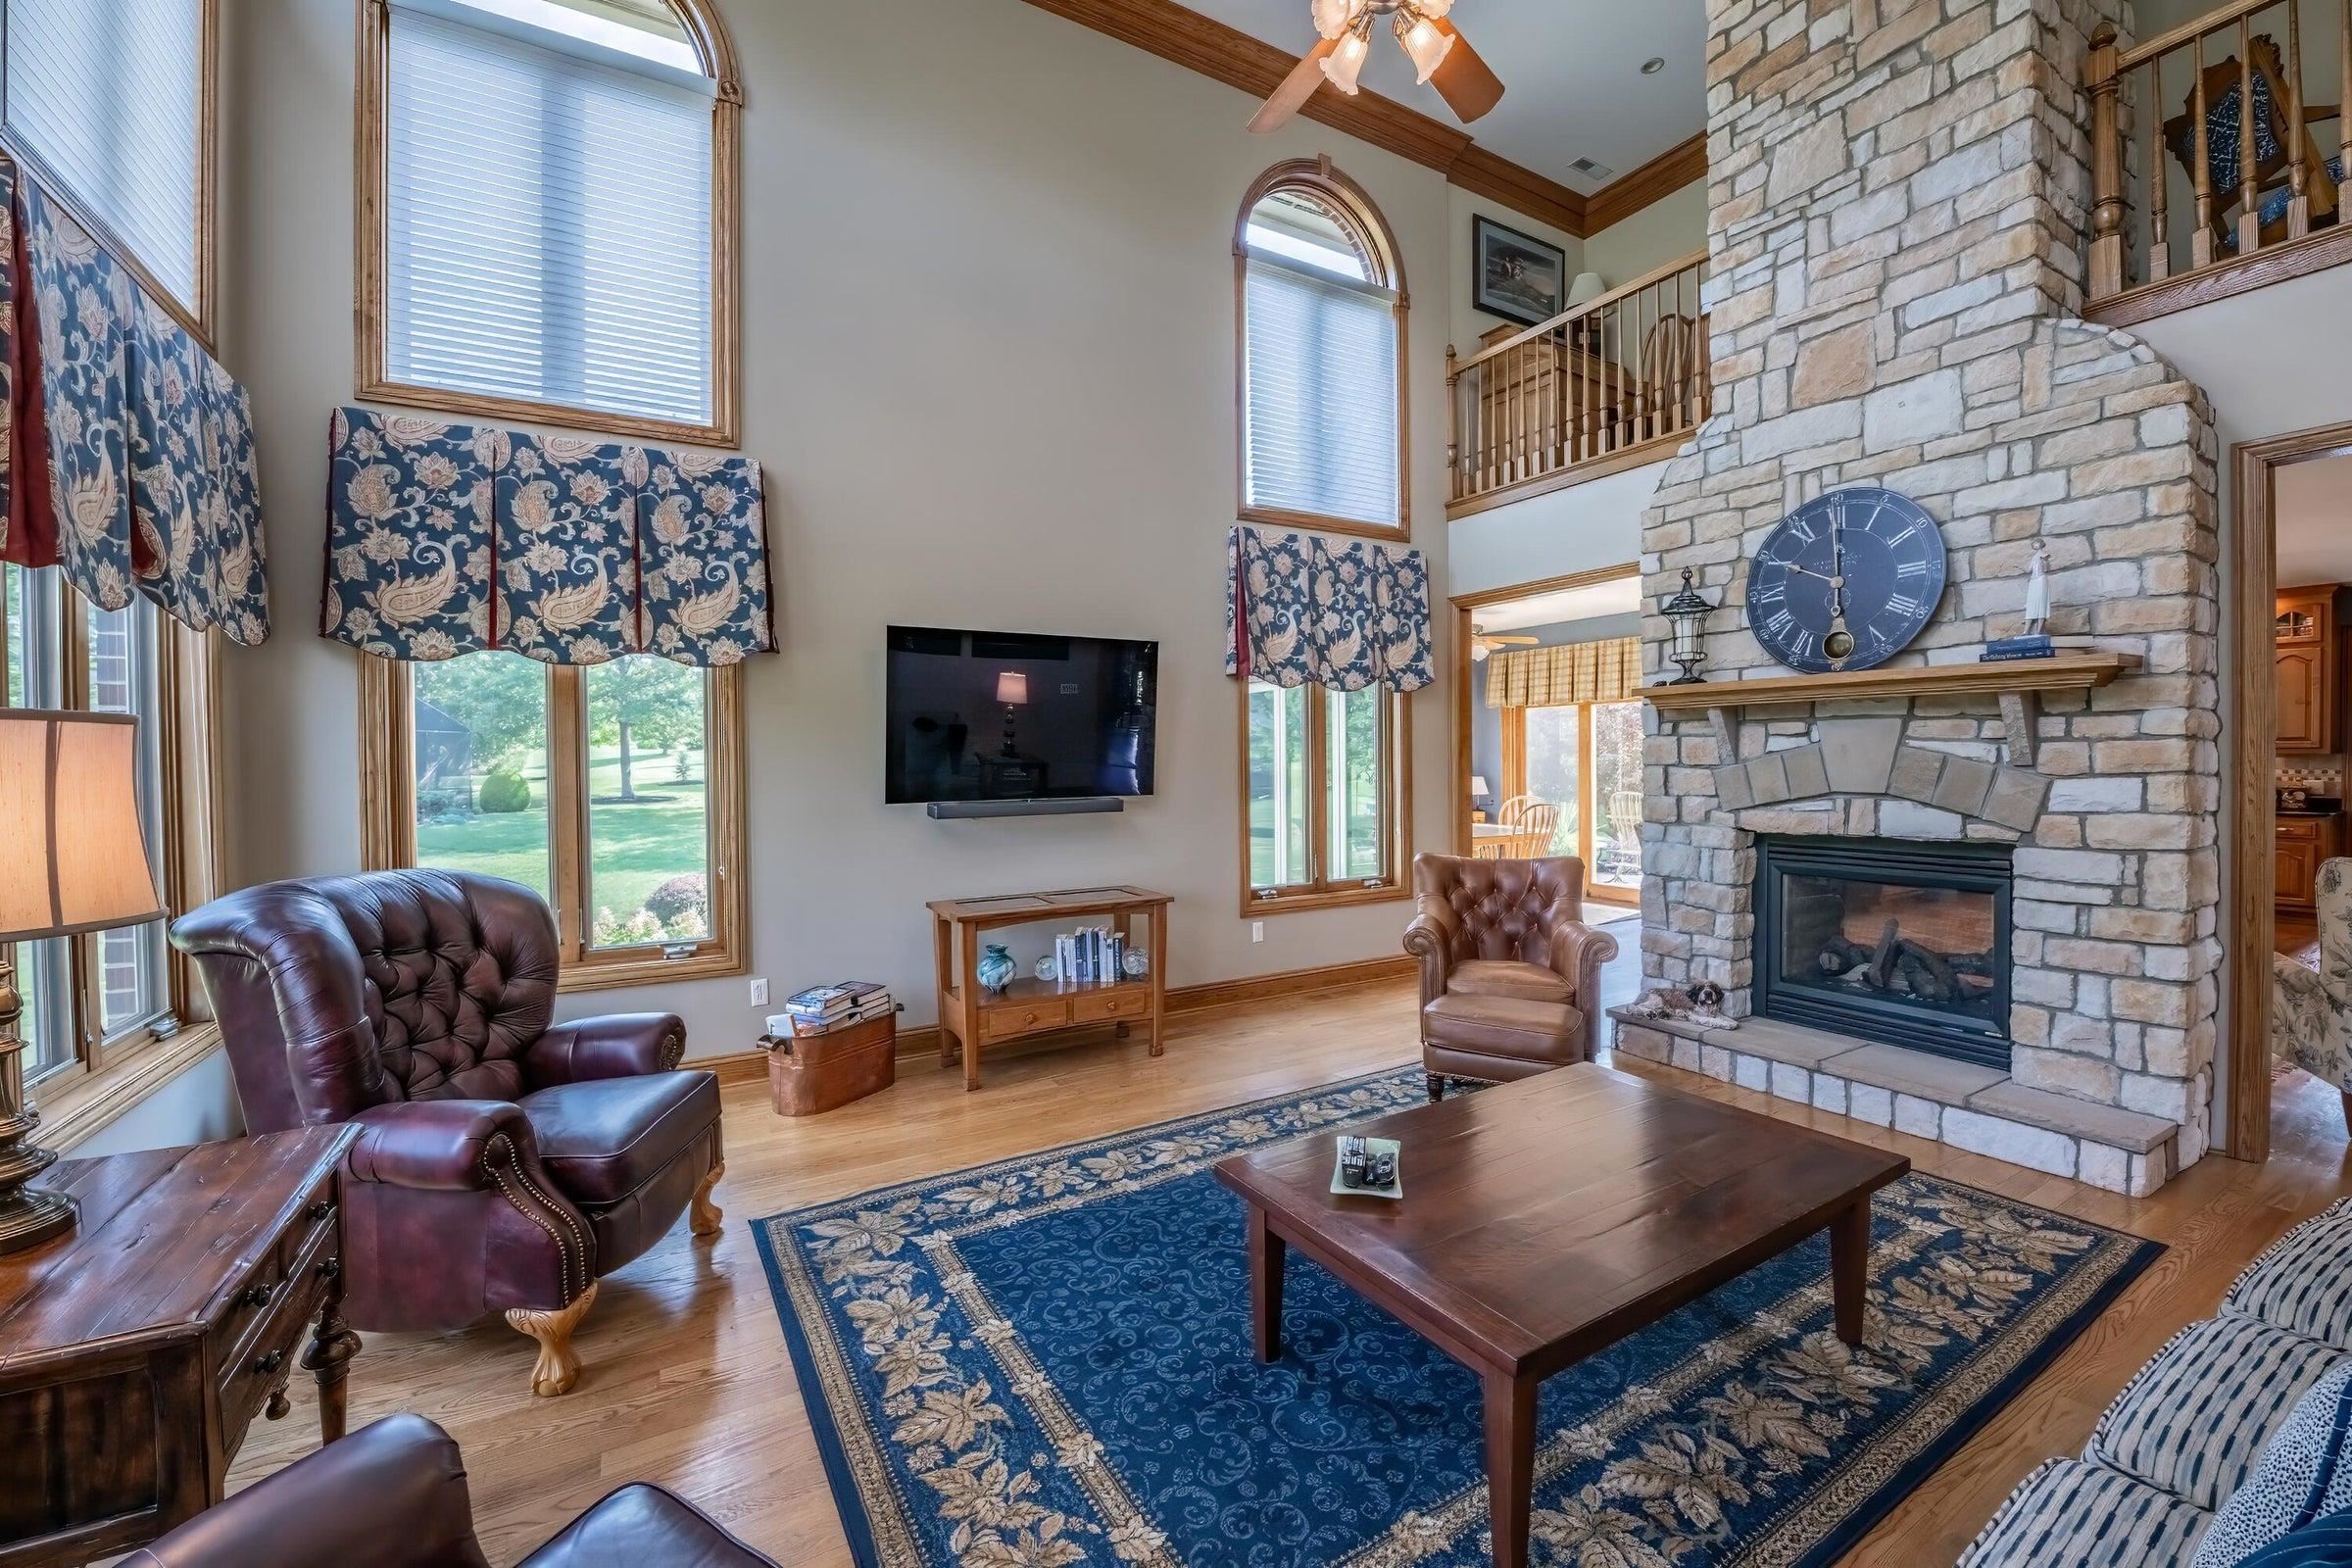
991,715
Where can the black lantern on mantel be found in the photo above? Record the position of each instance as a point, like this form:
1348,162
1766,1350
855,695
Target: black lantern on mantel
1689,612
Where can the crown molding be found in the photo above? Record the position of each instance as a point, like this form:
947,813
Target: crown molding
1662,177
1185,38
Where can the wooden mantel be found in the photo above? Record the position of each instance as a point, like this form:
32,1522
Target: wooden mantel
2018,683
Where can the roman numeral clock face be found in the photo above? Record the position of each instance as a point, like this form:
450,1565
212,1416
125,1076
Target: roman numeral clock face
1846,580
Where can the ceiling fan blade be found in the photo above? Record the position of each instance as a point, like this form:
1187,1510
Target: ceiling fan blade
1296,90
1463,79
1500,638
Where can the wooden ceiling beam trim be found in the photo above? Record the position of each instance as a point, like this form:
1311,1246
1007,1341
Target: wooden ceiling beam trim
1185,38
1660,177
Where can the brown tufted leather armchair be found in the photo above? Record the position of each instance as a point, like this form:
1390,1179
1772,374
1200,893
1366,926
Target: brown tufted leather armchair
1510,974
505,1163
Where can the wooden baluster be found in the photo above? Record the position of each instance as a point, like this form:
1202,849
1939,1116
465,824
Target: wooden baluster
2298,173
2160,224
1453,428
2200,244
2249,218
1576,390
2106,169
2343,102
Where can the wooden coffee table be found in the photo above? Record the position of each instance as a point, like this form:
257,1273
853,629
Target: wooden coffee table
1550,1218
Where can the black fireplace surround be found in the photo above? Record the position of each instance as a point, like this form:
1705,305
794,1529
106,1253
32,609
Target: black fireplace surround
1898,943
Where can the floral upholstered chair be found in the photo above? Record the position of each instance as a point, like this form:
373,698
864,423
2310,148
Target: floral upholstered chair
2310,1013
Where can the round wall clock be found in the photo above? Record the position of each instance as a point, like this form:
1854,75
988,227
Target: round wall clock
1846,580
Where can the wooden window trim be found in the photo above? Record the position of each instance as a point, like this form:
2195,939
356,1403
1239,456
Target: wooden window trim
195,315
113,1073
388,822
1397,800
1354,205
716,50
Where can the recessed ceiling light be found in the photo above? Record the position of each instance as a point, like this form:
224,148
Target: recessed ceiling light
1653,65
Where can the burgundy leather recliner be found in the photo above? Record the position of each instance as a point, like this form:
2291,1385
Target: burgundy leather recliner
393,1494
504,1163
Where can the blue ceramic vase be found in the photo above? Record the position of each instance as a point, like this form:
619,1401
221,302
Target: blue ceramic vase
996,967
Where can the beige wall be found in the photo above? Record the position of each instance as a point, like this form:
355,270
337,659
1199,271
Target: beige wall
1468,320
987,364
1666,230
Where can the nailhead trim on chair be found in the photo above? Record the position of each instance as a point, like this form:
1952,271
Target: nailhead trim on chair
674,1050
565,1256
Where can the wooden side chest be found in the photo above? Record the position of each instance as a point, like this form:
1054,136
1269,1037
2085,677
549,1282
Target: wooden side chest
137,1349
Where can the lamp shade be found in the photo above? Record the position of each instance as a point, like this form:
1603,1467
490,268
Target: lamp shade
1477,784
1012,688
1586,288
69,819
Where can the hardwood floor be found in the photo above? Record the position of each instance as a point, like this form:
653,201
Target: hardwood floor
2298,937
687,1382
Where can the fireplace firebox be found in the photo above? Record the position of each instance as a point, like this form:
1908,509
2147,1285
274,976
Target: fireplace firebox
1904,943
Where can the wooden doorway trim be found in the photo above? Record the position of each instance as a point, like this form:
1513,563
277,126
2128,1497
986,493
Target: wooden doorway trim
1459,791
2251,915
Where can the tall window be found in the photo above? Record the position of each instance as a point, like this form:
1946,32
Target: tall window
613,790
110,101
555,185
91,1002
1322,355
1324,814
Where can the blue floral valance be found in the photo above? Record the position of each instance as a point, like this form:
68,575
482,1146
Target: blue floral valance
444,539
130,463
1304,611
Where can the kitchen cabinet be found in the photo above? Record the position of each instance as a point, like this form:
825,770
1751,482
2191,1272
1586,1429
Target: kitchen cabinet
2308,655
2302,843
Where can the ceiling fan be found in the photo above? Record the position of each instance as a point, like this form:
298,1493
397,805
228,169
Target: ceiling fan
1484,642
1440,54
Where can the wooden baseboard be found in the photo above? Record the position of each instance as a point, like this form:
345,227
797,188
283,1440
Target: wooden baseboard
750,1066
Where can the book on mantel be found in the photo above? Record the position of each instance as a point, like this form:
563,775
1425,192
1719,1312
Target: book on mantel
2002,648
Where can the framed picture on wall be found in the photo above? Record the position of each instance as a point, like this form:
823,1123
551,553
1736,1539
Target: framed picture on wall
1516,277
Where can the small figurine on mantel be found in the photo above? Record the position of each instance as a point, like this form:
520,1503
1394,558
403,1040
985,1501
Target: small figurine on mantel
2035,641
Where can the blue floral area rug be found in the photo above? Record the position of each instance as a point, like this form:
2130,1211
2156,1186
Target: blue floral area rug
1046,1362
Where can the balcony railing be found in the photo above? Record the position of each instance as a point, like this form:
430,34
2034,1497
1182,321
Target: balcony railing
1608,385
2195,199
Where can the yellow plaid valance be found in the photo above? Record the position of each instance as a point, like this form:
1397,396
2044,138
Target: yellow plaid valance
1607,671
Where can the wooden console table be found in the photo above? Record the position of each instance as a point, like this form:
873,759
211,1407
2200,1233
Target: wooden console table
970,1017
138,1347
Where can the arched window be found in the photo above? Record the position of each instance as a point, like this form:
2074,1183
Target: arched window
1321,296
548,212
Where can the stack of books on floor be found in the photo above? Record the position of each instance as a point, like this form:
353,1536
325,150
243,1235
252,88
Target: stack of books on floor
820,1010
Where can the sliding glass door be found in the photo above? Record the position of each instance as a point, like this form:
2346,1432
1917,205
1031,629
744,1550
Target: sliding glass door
1584,760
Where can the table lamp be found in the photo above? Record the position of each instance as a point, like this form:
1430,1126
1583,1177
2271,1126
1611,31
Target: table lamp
1478,787
69,813
1013,689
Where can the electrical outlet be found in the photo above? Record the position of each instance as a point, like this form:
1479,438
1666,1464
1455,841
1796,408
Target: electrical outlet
1257,930
759,993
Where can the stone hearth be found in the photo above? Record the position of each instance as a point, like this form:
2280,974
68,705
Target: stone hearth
1899,201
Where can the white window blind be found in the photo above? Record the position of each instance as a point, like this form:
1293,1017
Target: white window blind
1321,394
106,96
548,218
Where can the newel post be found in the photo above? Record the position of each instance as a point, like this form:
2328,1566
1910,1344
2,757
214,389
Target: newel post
2106,168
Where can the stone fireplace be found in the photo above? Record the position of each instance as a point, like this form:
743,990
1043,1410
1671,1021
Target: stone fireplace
1899,201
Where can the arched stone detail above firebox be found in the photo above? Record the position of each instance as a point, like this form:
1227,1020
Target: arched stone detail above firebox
1868,756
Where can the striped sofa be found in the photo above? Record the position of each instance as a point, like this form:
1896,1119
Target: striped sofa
2188,1427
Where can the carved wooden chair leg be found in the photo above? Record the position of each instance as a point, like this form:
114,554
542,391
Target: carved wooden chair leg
558,1365
704,1216
1437,1086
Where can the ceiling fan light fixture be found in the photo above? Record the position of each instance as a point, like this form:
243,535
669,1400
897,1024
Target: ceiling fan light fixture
1345,63
1434,10
1334,16
1427,46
